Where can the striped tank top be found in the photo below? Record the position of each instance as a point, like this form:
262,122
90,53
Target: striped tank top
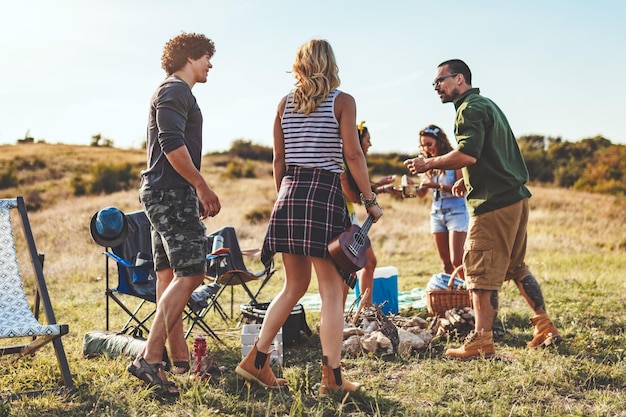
313,141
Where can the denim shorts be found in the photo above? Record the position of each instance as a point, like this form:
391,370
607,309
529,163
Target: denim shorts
455,219
178,235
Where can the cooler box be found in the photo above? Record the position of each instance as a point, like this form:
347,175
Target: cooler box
385,289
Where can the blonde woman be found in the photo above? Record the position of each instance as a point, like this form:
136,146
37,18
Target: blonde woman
314,129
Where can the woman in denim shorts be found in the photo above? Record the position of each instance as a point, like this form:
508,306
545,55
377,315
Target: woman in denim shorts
449,217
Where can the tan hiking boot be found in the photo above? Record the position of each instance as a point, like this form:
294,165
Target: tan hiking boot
333,381
263,376
476,345
545,333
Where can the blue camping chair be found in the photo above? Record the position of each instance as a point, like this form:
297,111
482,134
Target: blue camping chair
137,278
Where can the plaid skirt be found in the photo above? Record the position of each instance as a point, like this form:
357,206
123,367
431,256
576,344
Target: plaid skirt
309,212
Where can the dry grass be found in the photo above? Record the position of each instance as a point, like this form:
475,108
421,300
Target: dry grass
577,245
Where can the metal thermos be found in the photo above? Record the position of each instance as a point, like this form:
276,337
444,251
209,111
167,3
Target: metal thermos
218,243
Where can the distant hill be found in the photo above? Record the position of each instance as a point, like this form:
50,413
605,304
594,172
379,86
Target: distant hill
43,173
48,173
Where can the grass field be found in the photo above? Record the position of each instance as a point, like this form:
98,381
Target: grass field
577,251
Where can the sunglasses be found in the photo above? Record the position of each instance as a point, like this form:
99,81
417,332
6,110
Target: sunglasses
438,81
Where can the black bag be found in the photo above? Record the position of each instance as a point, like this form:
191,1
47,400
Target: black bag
293,327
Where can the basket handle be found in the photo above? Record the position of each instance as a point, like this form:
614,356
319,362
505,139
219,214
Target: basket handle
452,275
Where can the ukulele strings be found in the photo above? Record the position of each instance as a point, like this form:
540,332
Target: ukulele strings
359,238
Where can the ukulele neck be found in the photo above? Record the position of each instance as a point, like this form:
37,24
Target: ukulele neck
367,224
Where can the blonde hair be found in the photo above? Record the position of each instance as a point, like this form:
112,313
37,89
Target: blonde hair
316,73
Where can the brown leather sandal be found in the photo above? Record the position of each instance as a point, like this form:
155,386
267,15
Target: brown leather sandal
180,367
149,373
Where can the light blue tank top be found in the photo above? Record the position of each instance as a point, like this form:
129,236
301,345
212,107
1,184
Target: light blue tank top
445,199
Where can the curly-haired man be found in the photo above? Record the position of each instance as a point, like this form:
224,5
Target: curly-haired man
176,199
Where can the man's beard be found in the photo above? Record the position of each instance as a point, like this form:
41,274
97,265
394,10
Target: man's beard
447,98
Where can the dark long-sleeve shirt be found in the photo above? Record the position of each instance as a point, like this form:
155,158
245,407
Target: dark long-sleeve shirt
175,120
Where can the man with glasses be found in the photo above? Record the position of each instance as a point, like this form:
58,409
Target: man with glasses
494,177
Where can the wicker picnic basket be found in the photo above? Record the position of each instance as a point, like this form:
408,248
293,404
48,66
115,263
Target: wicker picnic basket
440,301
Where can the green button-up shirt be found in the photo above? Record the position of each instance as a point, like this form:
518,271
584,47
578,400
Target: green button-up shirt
497,178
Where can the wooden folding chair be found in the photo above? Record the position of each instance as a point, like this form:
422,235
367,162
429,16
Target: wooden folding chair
17,319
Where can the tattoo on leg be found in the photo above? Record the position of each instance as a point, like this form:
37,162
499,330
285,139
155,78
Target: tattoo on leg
532,289
494,300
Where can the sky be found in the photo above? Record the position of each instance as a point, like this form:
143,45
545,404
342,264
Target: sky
72,69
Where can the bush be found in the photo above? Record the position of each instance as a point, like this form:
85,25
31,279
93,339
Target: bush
34,201
258,215
386,164
239,169
8,176
539,167
247,150
78,185
606,173
111,178
30,164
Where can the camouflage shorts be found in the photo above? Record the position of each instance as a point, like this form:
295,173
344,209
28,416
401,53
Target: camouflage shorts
178,236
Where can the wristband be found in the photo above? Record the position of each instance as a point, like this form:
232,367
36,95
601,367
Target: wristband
368,202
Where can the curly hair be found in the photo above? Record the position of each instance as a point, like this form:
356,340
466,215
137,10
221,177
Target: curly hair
183,46
316,73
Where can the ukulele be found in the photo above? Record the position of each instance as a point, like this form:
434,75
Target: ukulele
348,249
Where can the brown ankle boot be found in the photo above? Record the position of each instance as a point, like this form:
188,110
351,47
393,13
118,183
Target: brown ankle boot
332,381
545,333
477,344
254,368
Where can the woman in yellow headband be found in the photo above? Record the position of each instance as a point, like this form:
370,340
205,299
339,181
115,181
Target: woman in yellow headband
366,275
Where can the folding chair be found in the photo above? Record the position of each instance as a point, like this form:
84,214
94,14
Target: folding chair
17,320
228,269
137,278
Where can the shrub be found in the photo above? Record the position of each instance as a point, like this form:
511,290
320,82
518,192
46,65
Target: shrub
386,164
99,140
33,199
30,164
605,173
8,176
78,185
247,150
258,215
239,169
111,178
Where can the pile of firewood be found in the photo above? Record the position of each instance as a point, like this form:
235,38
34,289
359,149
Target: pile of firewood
369,331
456,322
